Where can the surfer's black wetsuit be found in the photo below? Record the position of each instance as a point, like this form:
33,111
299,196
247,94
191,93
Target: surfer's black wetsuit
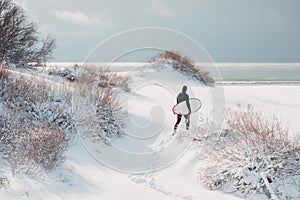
183,96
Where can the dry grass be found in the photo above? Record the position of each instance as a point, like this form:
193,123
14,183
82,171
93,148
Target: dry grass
32,131
268,132
104,78
44,146
100,113
107,100
108,79
184,65
3,72
97,92
206,129
35,132
28,91
254,143
31,150
4,82
108,114
176,56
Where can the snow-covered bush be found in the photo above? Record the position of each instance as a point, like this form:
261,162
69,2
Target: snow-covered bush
98,114
113,80
36,110
97,92
184,65
95,76
36,115
254,145
44,146
27,150
72,73
103,78
206,129
107,111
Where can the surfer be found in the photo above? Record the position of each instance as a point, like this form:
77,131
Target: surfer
183,96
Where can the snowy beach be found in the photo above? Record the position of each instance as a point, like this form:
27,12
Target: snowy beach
81,176
151,100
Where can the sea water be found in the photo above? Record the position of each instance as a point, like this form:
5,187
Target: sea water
255,73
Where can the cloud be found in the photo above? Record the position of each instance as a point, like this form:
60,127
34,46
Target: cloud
79,18
162,9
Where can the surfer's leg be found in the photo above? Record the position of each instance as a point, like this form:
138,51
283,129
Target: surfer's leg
187,121
178,121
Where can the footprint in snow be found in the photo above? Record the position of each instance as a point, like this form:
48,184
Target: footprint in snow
165,141
139,178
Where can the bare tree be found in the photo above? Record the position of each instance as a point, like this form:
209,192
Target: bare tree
19,40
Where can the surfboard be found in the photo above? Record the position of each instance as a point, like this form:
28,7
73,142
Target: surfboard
182,109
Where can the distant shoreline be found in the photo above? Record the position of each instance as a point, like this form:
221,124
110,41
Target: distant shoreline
224,73
258,83
218,64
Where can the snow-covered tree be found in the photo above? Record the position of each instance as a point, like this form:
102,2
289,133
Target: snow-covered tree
19,39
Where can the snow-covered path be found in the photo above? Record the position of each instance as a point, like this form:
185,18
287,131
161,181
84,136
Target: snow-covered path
147,144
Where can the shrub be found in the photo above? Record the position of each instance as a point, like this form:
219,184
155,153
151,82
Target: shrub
103,78
27,150
107,110
108,79
44,146
35,128
64,73
253,145
72,73
3,73
102,117
92,75
184,65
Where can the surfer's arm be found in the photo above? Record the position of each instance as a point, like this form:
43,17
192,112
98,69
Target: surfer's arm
177,99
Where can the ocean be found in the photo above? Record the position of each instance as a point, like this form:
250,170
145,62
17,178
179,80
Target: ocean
256,73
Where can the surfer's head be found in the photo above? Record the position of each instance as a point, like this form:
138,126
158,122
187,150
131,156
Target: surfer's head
184,89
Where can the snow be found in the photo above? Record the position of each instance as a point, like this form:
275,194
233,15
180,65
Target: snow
82,177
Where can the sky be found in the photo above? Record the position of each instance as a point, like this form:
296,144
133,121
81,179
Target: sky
229,30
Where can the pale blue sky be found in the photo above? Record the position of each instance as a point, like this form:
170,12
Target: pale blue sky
230,30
